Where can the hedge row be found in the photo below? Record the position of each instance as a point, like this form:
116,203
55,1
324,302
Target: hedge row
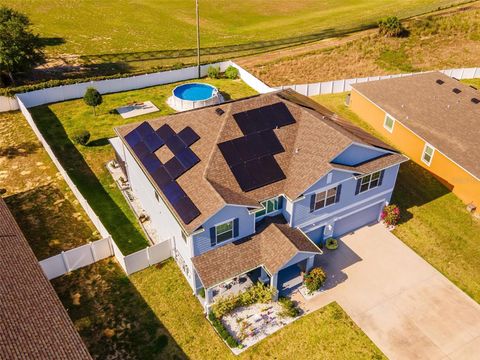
224,334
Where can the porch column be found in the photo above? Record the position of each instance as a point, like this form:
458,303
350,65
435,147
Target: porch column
310,262
208,298
273,285
263,275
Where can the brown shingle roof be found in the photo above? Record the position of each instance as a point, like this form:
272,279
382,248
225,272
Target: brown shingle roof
448,121
315,138
274,244
33,321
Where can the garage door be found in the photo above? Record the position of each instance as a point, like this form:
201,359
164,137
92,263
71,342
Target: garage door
356,220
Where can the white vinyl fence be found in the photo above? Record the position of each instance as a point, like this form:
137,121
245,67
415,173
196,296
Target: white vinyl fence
8,104
339,86
87,254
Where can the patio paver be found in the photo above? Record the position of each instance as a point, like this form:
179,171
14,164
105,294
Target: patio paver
408,308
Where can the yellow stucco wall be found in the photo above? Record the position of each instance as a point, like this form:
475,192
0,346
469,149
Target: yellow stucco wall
463,184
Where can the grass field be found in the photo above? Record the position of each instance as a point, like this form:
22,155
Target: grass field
71,27
46,210
434,221
153,315
435,42
86,164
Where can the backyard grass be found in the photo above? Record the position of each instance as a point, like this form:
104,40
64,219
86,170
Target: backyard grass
46,210
134,32
153,315
86,164
441,41
434,221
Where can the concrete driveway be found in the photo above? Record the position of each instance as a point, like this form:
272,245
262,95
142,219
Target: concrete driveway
403,304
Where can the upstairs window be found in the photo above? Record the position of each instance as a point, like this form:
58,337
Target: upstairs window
269,206
427,154
389,123
224,232
325,198
370,181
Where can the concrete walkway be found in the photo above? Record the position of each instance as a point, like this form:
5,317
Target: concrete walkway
403,304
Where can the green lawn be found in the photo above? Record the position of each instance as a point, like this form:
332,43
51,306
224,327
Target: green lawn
93,27
434,221
41,202
153,315
86,164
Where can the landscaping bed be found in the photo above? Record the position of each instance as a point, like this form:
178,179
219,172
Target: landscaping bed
59,122
433,221
41,202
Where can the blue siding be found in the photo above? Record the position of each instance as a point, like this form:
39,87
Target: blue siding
303,218
316,235
246,226
356,154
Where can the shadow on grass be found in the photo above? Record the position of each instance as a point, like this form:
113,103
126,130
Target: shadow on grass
126,235
52,41
415,187
98,142
49,221
112,317
21,149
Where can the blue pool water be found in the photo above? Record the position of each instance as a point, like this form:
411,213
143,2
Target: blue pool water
194,91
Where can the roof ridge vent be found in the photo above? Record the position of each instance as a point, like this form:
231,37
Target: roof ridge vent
440,82
473,87
456,90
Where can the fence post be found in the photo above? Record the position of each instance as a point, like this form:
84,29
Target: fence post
65,261
92,250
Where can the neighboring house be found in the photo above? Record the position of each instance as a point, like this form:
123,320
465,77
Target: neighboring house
254,186
433,119
33,322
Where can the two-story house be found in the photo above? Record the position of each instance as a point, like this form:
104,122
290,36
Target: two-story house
253,186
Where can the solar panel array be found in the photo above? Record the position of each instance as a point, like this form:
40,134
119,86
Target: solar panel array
145,141
250,157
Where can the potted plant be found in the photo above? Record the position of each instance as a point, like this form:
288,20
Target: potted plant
331,243
390,216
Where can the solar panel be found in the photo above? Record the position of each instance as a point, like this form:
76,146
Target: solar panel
165,132
187,158
173,192
175,144
265,170
186,209
141,150
132,138
144,129
161,177
244,152
174,168
188,136
153,142
229,153
271,142
151,163
263,118
243,177
281,115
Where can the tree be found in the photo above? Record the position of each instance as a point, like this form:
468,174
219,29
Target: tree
20,49
92,98
391,27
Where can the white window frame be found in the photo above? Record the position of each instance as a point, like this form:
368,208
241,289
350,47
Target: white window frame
427,145
264,203
369,182
325,198
232,230
388,116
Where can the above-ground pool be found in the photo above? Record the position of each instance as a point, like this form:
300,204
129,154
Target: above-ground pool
194,95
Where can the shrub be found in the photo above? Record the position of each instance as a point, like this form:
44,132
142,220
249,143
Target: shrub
92,98
257,293
224,334
314,279
391,214
213,72
289,308
391,27
81,137
231,72
331,243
